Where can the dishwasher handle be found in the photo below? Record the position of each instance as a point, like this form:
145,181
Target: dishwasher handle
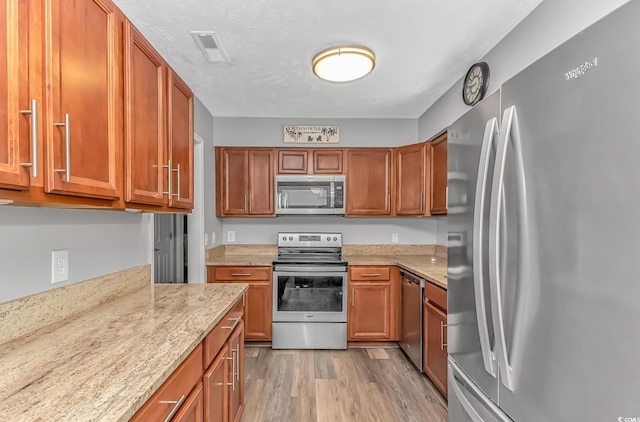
412,278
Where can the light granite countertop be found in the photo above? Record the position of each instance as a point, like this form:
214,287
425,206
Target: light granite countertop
103,364
431,267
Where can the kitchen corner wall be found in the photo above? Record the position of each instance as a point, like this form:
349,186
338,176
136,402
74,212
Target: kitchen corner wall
268,132
99,243
548,26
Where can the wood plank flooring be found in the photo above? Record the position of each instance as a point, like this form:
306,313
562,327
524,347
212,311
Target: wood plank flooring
372,384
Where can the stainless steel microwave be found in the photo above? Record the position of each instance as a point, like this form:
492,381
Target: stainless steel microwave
310,195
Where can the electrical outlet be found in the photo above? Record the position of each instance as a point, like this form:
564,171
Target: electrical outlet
213,238
394,237
59,266
206,239
231,236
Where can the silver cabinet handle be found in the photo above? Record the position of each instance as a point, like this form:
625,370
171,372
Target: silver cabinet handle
388,206
370,275
34,137
170,185
250,202
177,170
479,223
233,370
236,321
353,294
67,143
241,274
237,351
442,343
177,404
245,202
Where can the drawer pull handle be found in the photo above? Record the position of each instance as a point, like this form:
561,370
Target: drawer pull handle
371,275
241,274
176,406
236,321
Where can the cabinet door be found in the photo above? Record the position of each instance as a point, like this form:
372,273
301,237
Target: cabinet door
293,161
261,181
258,311
192,409
180,133
84,108
327,161
435,353
236,369
232,181
410,191
216,393
369,182
370,311
14,95
439,175
144,120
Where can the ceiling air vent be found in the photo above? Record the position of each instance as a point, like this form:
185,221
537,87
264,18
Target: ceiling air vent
209,44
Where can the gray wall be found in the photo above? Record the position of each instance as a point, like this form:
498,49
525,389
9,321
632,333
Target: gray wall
99,242
203,126
252,131
354,230
549,25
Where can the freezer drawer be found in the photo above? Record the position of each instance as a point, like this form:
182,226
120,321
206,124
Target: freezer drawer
467,403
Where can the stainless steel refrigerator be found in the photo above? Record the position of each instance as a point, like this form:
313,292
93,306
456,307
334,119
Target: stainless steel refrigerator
544,229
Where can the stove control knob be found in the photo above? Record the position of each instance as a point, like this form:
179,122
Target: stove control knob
290,237
328,238
335,239
284,237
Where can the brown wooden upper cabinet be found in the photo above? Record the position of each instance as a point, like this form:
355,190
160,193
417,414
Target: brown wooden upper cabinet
412,190
158,128
244,182
310,161
369,181
16,114
438,164
83,114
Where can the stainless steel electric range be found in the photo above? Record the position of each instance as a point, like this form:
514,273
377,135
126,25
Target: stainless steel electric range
309,292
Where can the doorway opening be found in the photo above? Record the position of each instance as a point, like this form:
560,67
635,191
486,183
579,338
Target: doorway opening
169,239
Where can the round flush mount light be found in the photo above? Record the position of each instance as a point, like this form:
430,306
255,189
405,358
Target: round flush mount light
343,64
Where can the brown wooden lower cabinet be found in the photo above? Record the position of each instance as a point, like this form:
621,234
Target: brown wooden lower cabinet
257,307
435,337
209,384
373,303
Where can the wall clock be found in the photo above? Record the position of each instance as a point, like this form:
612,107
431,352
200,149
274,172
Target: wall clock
475,83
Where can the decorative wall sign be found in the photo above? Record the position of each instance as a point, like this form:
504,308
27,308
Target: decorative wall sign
312,134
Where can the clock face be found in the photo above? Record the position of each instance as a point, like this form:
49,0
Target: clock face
475,83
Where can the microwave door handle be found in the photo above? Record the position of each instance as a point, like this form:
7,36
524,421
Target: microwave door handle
332,196
279,200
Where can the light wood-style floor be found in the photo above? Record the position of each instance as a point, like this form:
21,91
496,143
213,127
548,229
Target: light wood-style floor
374,384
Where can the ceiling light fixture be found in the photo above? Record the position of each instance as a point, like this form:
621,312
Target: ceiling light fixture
343,64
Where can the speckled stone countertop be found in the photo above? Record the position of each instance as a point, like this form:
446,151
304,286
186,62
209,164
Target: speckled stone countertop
104,363
428,261
430,267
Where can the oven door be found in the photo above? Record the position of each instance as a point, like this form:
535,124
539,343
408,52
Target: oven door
309,296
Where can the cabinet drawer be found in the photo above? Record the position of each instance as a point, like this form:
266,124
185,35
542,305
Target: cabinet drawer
370,273
179,384
436,295
241,273
216,338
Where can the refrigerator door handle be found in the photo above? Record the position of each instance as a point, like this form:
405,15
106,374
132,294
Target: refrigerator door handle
464,402
488,356
510,131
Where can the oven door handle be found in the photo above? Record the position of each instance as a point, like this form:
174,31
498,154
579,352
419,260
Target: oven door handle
303,271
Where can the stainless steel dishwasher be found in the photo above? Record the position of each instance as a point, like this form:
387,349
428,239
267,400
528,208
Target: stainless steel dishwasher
411,331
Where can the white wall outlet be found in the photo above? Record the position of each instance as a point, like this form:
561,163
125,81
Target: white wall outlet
231,236
394,238
213,238
59,266
206,239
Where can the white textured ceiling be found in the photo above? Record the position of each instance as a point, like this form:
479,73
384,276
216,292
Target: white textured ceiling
422,48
